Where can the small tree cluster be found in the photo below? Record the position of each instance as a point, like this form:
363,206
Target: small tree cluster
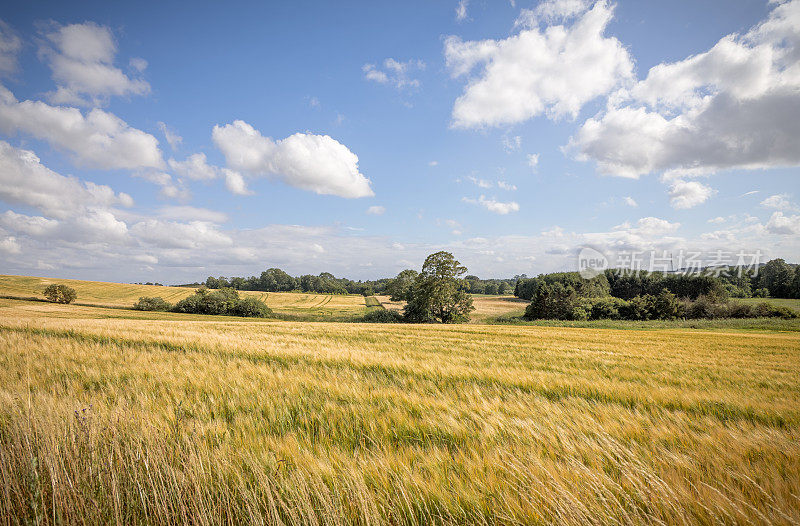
224,301
60,293
152,304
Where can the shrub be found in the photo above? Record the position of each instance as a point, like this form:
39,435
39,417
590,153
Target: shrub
381,316
761,293
251,308
607,308
769,310
665,306
703,308
152,304
224,301
60,293
552,302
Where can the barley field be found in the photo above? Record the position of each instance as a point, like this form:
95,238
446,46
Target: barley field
288,305
110,416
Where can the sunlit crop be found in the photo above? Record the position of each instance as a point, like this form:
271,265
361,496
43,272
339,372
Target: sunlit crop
201,420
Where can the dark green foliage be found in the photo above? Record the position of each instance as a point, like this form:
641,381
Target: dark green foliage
553,302
152,304
222,302
250,308
60,293
597,286
437,295
399,289
631,284
777,277
381,316
796,283
761,293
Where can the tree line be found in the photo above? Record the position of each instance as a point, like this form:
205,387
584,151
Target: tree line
643,295
277,280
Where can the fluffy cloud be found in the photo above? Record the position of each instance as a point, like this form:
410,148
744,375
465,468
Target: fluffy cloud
81,57
778,202
195,167
376,210
630,201
492,205
171,188
736,105
10,45
24,180
506,186
552,70
33,226
98,139
170,234
784,225
235,183
395,72
687,194
648,233
311,162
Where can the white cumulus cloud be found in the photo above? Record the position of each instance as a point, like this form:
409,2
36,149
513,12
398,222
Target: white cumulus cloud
788,225
317,163
736,105
98,139
81,58
552,70
24,180
687,194
778,202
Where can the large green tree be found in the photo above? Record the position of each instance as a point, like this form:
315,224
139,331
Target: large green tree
437,293
399,289
776,276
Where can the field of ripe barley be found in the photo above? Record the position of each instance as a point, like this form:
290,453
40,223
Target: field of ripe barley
113,419
288,305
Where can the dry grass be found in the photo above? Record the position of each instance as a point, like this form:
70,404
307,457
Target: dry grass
210,422
486,307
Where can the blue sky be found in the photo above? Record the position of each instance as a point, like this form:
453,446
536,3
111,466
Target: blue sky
160,141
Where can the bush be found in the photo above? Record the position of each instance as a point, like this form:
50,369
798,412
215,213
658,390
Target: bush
553,302
703,308
224,301
381,316
251,308
761,293
60,293
769,310
607,308
152,304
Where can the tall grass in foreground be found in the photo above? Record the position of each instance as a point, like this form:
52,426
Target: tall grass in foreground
146,421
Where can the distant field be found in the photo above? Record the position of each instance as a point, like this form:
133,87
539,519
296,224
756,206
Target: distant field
118,416
784,302
286,304
486,307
